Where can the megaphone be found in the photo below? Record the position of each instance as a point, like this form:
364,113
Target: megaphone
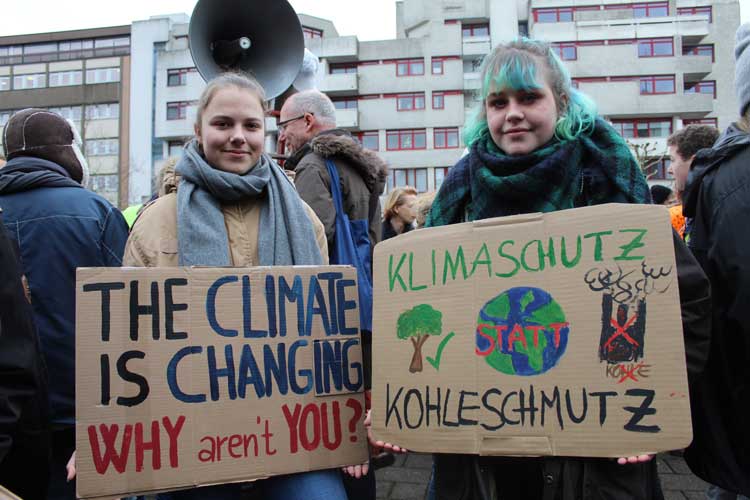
260,37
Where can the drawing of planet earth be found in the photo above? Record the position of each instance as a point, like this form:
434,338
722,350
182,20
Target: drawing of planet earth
522,331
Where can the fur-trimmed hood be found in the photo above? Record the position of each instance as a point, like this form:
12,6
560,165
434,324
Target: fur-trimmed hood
367,163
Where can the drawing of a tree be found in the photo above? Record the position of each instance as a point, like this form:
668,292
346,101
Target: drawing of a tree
417,324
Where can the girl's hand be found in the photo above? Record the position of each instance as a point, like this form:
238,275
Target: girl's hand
357,471
71,467
635,460
379,446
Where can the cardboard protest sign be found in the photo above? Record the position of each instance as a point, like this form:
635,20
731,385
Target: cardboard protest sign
197,376
539,334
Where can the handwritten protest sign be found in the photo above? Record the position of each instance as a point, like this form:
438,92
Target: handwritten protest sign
195,376
554,334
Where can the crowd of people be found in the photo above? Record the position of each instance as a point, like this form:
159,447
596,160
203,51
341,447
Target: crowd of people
535,144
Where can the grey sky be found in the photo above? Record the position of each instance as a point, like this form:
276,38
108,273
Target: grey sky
368,19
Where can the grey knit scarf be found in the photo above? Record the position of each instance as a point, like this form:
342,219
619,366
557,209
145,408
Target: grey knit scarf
285,236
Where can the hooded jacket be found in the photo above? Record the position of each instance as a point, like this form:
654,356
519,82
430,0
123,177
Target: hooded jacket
362,175
58,227
717,198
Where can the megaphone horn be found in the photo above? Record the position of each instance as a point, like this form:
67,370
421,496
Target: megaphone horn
260,37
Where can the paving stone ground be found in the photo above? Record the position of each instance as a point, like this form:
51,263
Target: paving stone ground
407,478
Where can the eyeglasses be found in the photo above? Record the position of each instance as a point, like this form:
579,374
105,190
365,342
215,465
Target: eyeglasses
280,126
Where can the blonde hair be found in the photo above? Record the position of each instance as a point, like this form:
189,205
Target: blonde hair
744,122
238,80
396,199
424,204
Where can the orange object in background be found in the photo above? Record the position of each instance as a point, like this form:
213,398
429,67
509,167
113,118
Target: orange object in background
678,220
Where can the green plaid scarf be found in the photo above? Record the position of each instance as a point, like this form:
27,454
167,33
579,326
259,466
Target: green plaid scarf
593,169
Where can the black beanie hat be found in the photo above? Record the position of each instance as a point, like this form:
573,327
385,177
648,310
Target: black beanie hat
659,193
46,135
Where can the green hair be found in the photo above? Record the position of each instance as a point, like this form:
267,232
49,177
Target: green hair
515,65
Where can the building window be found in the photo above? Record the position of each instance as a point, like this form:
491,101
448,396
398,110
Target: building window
5,116
714,122
65,78
73,113
103,111
103,183
446,138
338,69
638,129
178,76
102,75
439,175
409,67
656,47
175,149
345,103
369,140
35,81
64,51
438,66
659,170
415,177
404,140
178,110
702,87
4,83
523,28
692,11
311,33
565,50
699,50
438,100
409,102
653,9
473,30
555,15
657,85
102,147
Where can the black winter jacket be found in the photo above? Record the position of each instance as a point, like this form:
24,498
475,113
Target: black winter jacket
717,198
24,414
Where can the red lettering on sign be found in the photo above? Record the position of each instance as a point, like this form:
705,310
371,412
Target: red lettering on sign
119,460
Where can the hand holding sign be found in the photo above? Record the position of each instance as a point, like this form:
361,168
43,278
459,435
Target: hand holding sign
358,471
564,331
197,376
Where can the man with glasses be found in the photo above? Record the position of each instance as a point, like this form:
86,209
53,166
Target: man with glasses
307,125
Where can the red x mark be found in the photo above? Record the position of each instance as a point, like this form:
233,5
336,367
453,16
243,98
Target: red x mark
626,374
621,330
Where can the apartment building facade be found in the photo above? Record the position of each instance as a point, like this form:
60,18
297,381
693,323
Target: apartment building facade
84,76
651,66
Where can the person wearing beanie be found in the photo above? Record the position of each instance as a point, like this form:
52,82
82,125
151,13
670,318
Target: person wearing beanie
58,226
717,198
660,194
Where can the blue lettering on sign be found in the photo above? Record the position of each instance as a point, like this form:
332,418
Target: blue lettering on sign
172,376
271,368
345,305
293,294
211,306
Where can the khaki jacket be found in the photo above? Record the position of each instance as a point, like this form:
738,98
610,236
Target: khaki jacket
153,239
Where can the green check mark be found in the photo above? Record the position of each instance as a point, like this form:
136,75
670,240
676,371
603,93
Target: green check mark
436,361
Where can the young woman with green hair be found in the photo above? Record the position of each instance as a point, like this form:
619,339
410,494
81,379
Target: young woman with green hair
537,145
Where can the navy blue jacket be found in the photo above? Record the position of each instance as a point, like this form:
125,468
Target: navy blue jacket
58,227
